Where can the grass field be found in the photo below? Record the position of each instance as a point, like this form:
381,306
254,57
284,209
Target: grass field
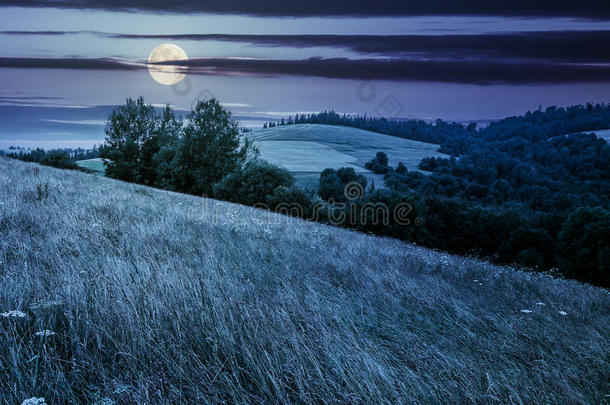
308,149
136,295
96,165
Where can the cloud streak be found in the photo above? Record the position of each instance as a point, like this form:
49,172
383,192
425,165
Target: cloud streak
562,46
68,63
589,46
467,72
584,8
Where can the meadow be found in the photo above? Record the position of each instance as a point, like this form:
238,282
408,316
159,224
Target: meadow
115,293
307,149
95,165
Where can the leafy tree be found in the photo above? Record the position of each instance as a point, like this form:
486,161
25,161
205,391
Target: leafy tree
209,149
253,183
128,129
59,159
293,201
165,135
379,164
332,183
401,168
331,186
585,246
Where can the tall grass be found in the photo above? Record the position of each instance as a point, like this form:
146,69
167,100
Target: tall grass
157,297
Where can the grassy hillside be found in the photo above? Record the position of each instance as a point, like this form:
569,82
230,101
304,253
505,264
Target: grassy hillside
308,149
155,297
96,165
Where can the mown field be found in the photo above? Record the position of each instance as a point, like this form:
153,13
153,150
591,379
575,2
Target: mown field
96,165
307,149
127,294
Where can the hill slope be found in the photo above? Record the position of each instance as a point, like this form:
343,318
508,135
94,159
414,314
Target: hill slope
308,149
157,297
96,165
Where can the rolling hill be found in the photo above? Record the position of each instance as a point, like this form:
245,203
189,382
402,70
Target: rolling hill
117,293
307,149
95,165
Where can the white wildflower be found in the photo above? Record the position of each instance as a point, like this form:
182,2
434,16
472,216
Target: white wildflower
34,401
526,311
475,281
540,304
13,314
45,332
563,313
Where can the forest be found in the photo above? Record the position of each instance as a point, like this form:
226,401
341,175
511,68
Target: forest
531,190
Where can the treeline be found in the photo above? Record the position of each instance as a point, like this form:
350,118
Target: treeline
455,138
530,190
439,131
65,158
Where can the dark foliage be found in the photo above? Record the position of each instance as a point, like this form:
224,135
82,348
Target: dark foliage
584,246
379,164
294,201
162,150
514,191
253,183
60,158
333,184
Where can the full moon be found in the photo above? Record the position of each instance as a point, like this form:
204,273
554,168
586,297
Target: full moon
167,74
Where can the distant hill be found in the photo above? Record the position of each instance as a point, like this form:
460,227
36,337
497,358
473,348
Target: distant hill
308,149
96,165
136,295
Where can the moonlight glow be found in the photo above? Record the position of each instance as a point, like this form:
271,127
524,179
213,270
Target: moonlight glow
167,74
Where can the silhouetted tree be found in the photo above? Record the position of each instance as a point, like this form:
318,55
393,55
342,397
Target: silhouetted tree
209,149
253,183
128,128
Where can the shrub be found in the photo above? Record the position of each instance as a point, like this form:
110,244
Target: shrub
59,159
333,183
252,183
585,246
379,164
292,201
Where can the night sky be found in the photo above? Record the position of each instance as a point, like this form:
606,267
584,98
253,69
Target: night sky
62,69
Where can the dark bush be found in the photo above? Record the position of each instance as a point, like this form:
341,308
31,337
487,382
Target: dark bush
379,164
59,159
333,183
252,183
293,201
585,246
